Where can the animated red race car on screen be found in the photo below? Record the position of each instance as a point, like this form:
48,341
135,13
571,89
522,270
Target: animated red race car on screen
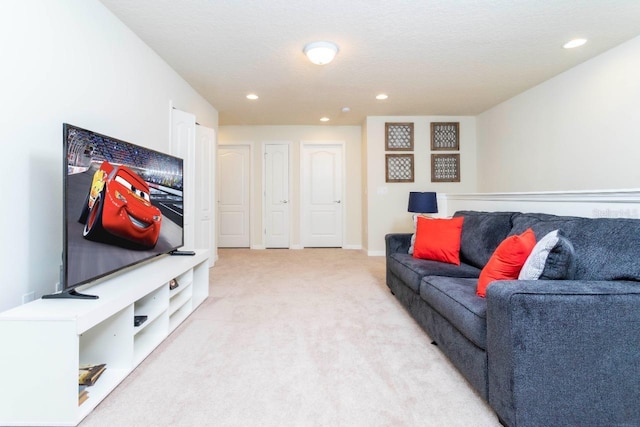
119,205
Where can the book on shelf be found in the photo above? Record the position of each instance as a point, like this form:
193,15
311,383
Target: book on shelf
83,394
89,374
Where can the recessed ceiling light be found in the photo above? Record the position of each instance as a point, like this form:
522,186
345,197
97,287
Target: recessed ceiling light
346,109
252,96
574,43
382,96
324,119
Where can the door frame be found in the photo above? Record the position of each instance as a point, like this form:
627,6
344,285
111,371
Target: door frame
264,190
211,168
219,182
344,201
185,149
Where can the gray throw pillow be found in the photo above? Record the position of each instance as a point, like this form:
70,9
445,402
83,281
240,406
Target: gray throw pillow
553,258
561,262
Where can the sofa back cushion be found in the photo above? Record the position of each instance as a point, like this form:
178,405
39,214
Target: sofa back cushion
482,232
605,248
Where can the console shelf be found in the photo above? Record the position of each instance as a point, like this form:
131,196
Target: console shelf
45,341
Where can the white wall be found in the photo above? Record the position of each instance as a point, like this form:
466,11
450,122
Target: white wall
69,61
257,135
386,210
577,131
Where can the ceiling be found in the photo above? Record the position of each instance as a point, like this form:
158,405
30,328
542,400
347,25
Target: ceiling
432,57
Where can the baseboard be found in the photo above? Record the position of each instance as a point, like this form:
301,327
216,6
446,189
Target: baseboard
376,253
348,247
300,247
352,247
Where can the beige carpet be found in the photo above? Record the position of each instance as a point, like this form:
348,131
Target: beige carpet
310,337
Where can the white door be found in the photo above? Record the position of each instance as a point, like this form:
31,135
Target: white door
234,176
276,194
205,195
321,198
183,140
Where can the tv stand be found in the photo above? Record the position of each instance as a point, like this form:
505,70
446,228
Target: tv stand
45,341
69,294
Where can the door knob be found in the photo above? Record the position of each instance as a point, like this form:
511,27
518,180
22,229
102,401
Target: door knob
284,201
338,201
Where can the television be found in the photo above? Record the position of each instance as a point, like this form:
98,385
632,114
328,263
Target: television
123,204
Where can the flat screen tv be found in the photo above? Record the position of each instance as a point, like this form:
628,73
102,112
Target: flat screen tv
122,205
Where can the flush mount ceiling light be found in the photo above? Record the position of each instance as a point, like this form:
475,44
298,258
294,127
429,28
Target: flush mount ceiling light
382,96
252,96
574,43
320,53
324,119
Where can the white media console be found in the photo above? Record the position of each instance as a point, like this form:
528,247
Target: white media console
45,341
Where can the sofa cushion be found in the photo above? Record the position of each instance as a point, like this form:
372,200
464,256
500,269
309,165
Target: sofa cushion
456,300
411,270
605,248
482,232
553,258
542,224
507,261
438,239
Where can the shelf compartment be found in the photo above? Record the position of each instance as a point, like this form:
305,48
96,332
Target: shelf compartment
185,278
179,315
153,305
109,379
150,337
178,300
109,342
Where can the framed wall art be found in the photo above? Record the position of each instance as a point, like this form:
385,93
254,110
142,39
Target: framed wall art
445,168
398,136
445,136
399,167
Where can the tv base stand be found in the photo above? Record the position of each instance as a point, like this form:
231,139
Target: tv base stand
73,294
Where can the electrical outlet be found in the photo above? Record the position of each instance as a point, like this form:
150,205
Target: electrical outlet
28,297
58,287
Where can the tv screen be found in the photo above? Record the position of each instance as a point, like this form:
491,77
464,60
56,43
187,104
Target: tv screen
122,205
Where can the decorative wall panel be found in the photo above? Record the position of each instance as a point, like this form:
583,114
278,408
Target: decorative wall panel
398,136
445,136
445,168
399,167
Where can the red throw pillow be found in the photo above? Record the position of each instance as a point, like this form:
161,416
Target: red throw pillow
507,260
438,239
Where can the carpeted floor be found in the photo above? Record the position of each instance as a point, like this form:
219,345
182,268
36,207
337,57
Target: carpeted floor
307,337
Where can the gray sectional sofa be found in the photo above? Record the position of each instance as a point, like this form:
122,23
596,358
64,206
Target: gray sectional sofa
540,352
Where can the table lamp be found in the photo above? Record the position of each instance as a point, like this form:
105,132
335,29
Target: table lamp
423,202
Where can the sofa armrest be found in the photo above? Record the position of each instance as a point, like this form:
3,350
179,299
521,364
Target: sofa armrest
564,352
397,242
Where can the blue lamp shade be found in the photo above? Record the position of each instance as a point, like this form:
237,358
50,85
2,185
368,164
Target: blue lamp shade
424,202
